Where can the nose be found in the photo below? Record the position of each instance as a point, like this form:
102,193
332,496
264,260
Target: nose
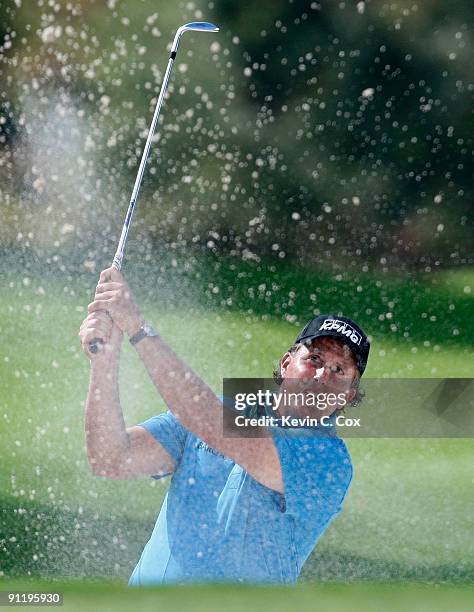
322,374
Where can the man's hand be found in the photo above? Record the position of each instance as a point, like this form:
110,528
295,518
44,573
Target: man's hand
100,325
114,296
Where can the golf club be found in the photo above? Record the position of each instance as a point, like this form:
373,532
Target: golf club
198,26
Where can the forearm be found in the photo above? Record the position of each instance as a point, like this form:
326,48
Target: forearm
199,410
106,436
188,397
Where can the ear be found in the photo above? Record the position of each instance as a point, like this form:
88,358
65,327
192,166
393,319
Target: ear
351,395
285,362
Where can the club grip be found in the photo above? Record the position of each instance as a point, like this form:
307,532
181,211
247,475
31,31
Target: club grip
96,345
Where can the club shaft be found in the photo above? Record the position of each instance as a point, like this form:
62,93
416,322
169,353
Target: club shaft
117,263
96,344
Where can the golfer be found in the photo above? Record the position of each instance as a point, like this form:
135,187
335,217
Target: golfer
239,509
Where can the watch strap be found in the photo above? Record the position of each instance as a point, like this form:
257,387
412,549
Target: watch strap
145,331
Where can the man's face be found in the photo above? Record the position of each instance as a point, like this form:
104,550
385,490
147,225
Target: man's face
324,365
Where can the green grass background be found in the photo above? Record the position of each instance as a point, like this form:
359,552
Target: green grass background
109,596
407,516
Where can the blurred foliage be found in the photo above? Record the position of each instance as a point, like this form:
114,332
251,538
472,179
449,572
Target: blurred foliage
321,133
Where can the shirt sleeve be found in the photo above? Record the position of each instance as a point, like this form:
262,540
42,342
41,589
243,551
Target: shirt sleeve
316,474
169,432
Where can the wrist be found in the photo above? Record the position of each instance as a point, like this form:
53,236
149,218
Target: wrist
145,331
106,362
109,355
134,326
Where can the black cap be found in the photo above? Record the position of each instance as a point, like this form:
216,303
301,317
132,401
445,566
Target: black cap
342,328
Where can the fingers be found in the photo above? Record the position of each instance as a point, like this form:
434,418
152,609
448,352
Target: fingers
99,305
104,316
110,274
113,290
109,286
97,325
99,320
111,293
105,275
91,334
114,295
101,327
100,315
94,333
102,324
108,295
116,275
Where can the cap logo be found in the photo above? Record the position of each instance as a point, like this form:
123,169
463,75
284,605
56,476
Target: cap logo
342,328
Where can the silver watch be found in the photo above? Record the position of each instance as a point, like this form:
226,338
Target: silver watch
146,330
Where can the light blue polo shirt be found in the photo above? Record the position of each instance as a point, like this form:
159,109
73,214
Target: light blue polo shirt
218,524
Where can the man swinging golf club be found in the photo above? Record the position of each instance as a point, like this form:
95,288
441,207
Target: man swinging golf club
238,509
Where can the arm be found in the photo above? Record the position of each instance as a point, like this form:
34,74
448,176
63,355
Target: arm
187,396
196,406
114,450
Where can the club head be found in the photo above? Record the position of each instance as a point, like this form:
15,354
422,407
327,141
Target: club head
200,26
194,26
